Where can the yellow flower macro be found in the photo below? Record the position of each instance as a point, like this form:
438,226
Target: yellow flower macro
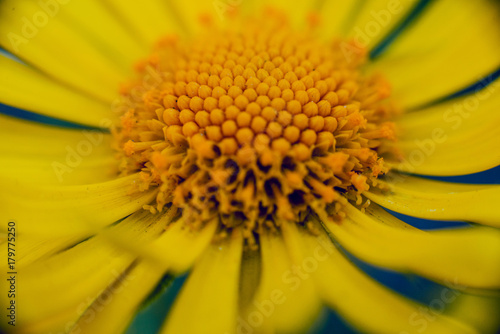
252,161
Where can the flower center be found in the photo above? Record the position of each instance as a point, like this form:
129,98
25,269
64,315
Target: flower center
254,127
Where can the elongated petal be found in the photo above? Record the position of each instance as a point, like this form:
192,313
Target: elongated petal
417,197
57,49
467,257
376,19
364,303
80,274
430,137
479,311
164,251
117,43
26,88
208,302
117,305
36,153
59,210
150,20
34,248
343,13
445,52
286,300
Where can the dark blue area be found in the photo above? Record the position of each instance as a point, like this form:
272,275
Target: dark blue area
330,322
151,317
37,118
411,286
477,86
7,54
414,14
427,224
490,176
473,88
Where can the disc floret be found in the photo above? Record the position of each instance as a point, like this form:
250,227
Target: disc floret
256,128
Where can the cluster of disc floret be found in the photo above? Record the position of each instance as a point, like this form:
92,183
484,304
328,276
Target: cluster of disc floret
254,127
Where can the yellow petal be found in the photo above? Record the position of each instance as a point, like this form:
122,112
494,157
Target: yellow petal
337,17
442,56
149,20
91,18
177,239
37,153
285,300
468,257
34,248
25,88
116,306
364,303
57,50
375,19
208,302
69,210
481,312
80,274
464,137
438,200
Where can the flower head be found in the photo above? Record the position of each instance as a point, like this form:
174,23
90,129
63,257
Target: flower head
255,128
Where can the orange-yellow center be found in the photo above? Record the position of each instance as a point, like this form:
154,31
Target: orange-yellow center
255,127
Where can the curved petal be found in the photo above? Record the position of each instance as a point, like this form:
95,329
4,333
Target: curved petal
41,154
363,302
344,13
285,300
59,288
438,200
208,302
164,251
56,49
479,311
148,20
452,138
377,18
445,52
117,305
31,248
468,257
91,18
69,210
25,88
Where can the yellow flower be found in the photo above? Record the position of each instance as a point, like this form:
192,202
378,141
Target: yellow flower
255,146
